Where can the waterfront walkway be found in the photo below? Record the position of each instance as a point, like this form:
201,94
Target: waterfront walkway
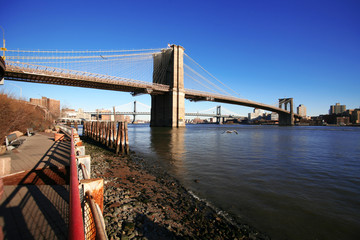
36,194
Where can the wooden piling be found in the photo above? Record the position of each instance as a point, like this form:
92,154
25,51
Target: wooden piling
111,134
118,137
126,140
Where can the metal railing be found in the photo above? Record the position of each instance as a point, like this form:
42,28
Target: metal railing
76,224
85,215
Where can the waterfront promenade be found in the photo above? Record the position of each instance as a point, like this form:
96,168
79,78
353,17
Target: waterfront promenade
35,201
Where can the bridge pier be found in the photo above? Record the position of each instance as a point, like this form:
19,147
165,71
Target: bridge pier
286,119
168,110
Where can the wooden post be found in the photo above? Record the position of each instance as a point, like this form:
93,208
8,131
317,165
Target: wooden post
118,138
94,130
114,135
126,138
114,114
109,134
97,131
103,132
122,141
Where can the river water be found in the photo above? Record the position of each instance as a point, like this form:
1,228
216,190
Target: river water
288,182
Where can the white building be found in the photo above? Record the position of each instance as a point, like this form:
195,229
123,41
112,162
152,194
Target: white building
274,116
256,115
71,113
301,110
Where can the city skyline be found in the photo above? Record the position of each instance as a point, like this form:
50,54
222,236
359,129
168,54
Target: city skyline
263,51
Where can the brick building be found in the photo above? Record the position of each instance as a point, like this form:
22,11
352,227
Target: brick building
51,104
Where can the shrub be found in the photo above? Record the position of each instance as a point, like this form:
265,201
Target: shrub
18,115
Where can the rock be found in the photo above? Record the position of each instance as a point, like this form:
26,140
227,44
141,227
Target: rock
124,237
129,226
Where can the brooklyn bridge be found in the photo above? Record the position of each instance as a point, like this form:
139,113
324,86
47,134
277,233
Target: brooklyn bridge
169,75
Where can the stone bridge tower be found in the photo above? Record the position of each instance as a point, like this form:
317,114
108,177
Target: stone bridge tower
168,110
286,119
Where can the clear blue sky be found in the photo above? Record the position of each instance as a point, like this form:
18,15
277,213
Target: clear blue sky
264,50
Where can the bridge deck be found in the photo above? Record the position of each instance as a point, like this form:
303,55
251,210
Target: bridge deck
35,201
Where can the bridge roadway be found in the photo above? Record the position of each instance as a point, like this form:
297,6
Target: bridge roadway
50,75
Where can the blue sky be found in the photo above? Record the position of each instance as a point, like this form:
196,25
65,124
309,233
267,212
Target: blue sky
264,50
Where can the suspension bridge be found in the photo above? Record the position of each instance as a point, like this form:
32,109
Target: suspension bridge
214,112
162,73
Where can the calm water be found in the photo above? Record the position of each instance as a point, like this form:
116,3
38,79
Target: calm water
289,182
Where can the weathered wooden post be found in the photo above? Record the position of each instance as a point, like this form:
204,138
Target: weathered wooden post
114,135
122,141
126,138
108,134
118,137
97,130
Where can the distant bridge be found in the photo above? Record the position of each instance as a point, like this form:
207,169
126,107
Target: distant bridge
218,115
149,113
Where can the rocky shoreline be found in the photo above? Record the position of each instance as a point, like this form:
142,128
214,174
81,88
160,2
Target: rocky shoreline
143,202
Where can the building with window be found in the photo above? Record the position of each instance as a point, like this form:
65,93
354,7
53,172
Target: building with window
337,109
301,110
256,115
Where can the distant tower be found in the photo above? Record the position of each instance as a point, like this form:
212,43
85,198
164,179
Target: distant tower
301,110
337,108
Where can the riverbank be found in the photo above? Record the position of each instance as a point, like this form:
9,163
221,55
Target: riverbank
143,202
